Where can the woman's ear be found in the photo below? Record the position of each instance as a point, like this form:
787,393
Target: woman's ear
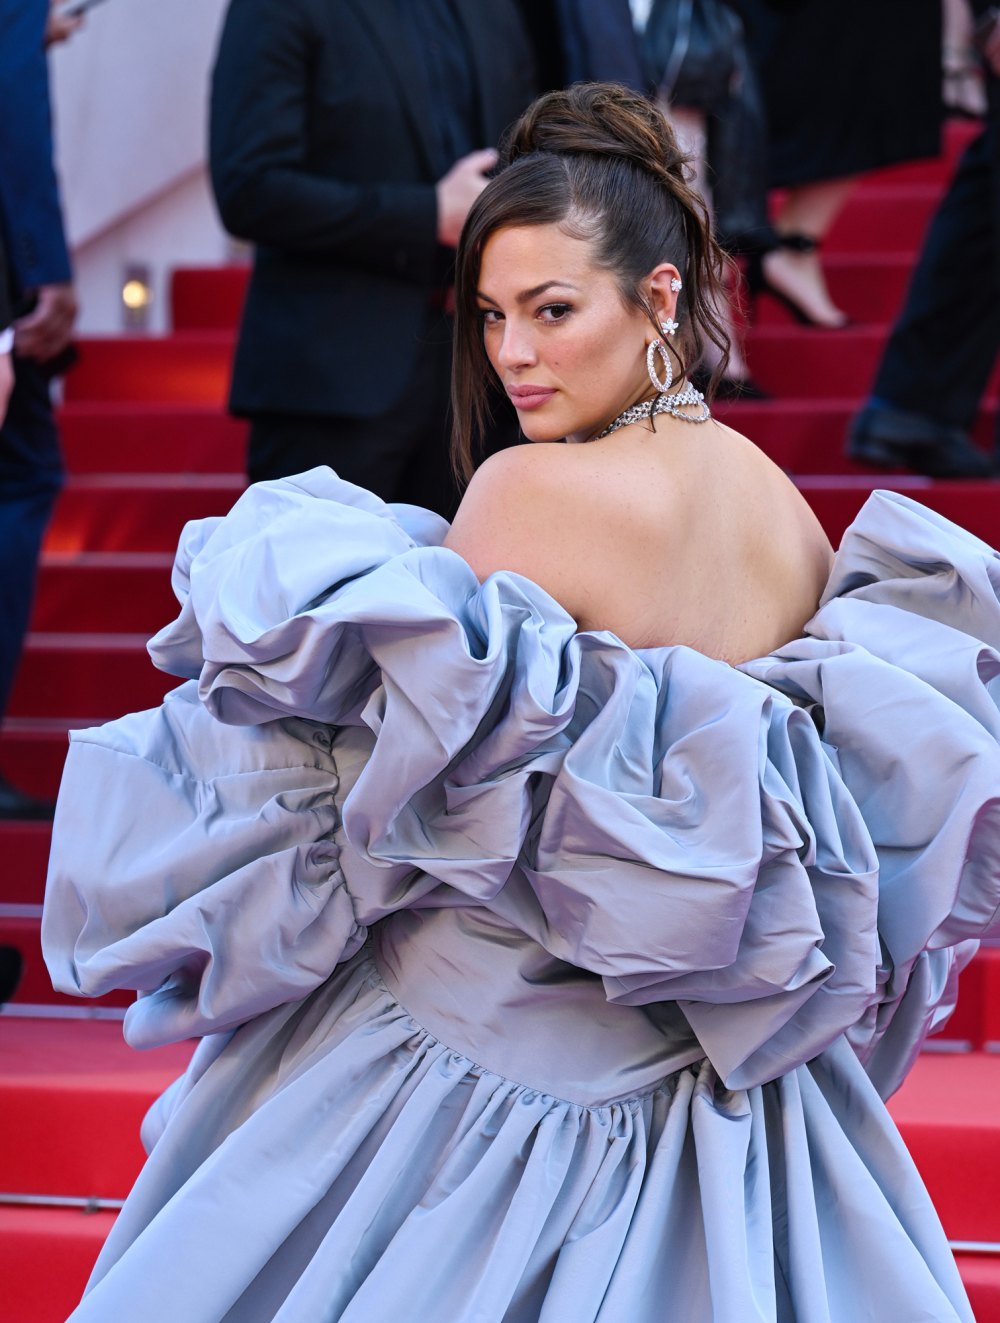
664,285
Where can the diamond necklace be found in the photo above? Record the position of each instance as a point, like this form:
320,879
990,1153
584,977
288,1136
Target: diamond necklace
671,404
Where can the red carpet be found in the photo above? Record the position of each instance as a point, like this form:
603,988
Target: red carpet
46,1255
948,1114
149,447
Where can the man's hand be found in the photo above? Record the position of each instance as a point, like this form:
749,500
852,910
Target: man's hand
6,384
457,191
48,328
60,26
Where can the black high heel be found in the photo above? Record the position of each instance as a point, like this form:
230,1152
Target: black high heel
758,283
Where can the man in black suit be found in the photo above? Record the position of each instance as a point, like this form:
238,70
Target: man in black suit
944,343
348,141
41,293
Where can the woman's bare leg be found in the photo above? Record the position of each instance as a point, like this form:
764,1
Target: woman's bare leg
808,210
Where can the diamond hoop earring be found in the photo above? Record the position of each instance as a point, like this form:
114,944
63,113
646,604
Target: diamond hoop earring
658,347
676,284
669,326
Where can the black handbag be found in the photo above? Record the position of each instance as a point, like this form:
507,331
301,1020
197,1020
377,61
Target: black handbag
689,51
695,55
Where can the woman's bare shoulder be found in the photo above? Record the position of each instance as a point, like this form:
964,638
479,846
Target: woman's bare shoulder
796,555
527,510
745,459
533,461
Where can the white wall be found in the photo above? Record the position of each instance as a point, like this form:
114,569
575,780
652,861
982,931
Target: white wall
130,94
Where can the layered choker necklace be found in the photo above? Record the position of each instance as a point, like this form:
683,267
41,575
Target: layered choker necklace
663,403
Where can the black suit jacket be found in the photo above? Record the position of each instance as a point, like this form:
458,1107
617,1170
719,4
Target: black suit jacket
30,213
321,156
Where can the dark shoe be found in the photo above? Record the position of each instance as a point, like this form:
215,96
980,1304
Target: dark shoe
894,438
15,803
11,964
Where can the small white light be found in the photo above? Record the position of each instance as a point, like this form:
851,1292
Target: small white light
136,296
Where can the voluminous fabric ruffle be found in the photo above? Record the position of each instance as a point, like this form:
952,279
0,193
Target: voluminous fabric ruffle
738,896
790,850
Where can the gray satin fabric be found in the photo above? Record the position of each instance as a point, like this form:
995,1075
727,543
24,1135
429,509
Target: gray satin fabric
539,978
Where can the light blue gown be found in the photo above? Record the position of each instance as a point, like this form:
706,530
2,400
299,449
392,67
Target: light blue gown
539,978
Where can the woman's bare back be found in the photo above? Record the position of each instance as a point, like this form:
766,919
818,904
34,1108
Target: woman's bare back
686,534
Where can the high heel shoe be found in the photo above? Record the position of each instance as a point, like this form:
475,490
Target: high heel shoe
758,283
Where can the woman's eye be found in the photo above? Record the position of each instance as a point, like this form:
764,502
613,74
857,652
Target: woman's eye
554,312
490,316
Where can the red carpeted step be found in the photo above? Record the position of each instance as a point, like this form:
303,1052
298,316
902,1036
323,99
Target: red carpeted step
836,501
136,512
46,1256
964,1029
811,364
947,1114
74,674
104,590
981,1278
23,931
142,437
193,368
975,1022
73,1095
883,218
808,436
868,286
207,298
24,849
792,362
33,750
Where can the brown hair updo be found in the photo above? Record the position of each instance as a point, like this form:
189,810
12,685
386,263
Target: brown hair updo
602,163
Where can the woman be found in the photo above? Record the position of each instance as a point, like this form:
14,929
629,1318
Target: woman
534,931
848,88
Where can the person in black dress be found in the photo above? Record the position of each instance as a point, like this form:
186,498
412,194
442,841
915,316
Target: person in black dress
848,87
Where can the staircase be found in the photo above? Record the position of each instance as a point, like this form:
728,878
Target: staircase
148,446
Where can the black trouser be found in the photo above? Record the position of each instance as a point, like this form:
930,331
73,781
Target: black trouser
945,341
401,454
30,478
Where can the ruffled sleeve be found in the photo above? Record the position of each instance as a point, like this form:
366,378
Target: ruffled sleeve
199,870
790,850
201,865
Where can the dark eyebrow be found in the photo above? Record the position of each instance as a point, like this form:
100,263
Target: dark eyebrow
527,295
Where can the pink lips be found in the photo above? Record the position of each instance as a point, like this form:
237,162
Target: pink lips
529,397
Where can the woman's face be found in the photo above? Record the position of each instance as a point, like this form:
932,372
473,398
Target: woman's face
568,350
